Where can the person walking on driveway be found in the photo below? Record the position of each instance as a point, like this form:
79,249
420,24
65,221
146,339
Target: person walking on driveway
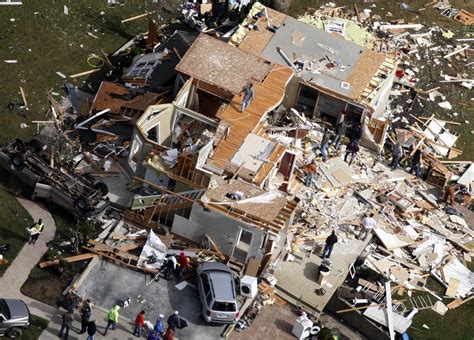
325,143
340,133
91,330
35,231
86,313
169,334
174,321
249,94
152,336
112,318
331,240
159,327
139,323
65,325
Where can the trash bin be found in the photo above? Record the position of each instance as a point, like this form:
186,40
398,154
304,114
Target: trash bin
322,273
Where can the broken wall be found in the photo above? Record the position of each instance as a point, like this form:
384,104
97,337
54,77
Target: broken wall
222,229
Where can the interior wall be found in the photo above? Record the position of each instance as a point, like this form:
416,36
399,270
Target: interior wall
222,229
380,101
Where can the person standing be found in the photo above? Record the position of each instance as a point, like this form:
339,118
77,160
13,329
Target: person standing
450,193
86,313
397,154
183,262
169,334
174,320
139,323
331,240
112,318
91,330
416,163
325,143
152,336
170,266
65,325
340,133
249,94
35,231
310,170
352,150
159,327
368,224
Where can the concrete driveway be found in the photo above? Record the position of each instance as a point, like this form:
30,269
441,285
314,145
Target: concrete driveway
107,284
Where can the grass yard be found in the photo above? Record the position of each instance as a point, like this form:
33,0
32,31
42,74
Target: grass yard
44,41
13,221
36,328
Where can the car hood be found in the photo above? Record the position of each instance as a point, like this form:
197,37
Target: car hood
18,309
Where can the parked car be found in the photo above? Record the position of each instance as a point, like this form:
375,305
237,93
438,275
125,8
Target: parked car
77,194
217,292
14,318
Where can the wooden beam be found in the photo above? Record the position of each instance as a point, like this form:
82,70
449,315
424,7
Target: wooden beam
85,73
69,259
137,17
23,96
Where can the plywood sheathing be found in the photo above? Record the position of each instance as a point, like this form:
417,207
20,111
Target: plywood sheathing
363,71
214,62
268,95
264,211
255,41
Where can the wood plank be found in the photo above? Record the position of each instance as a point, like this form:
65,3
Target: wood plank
69,259
452,287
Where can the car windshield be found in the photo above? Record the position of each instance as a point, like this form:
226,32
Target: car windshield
224,306
4,309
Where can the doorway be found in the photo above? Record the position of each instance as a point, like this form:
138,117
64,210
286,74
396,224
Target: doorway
242,246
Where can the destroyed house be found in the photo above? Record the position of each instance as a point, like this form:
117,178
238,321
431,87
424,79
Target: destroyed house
182,148
332,74
157,69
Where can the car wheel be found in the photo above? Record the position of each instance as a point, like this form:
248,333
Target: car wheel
18,161
81,204
14,332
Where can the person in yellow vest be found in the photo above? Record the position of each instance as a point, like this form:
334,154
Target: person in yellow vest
35,231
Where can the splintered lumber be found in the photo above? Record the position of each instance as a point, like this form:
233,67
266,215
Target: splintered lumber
456,303
351,309
137,17
85,73
128,247
69,259
130,237
456,52
216,248
23,96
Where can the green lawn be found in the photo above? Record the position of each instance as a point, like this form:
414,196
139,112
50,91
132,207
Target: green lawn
44,41
36,328
13,221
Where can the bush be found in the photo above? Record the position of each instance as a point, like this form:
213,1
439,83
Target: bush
38,273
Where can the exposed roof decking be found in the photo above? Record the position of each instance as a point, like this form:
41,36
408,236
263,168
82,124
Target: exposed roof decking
222,65
268,95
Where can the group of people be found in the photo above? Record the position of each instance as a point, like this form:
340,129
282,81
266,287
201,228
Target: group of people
159,330
87,324
416,159
367,225
177,266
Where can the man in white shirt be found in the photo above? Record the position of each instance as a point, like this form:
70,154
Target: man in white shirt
368,224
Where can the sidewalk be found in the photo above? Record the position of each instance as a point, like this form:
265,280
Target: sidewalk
19,270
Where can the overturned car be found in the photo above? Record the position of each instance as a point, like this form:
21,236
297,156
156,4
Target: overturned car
29,162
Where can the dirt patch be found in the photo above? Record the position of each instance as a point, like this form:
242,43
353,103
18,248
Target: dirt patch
47,290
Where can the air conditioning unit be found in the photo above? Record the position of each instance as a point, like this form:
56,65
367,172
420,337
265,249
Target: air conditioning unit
248,286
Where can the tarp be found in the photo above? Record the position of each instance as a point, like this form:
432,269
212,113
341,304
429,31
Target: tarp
153,253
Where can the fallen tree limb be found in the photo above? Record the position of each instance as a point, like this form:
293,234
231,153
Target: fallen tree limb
69,259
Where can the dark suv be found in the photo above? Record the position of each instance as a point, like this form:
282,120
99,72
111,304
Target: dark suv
14,317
